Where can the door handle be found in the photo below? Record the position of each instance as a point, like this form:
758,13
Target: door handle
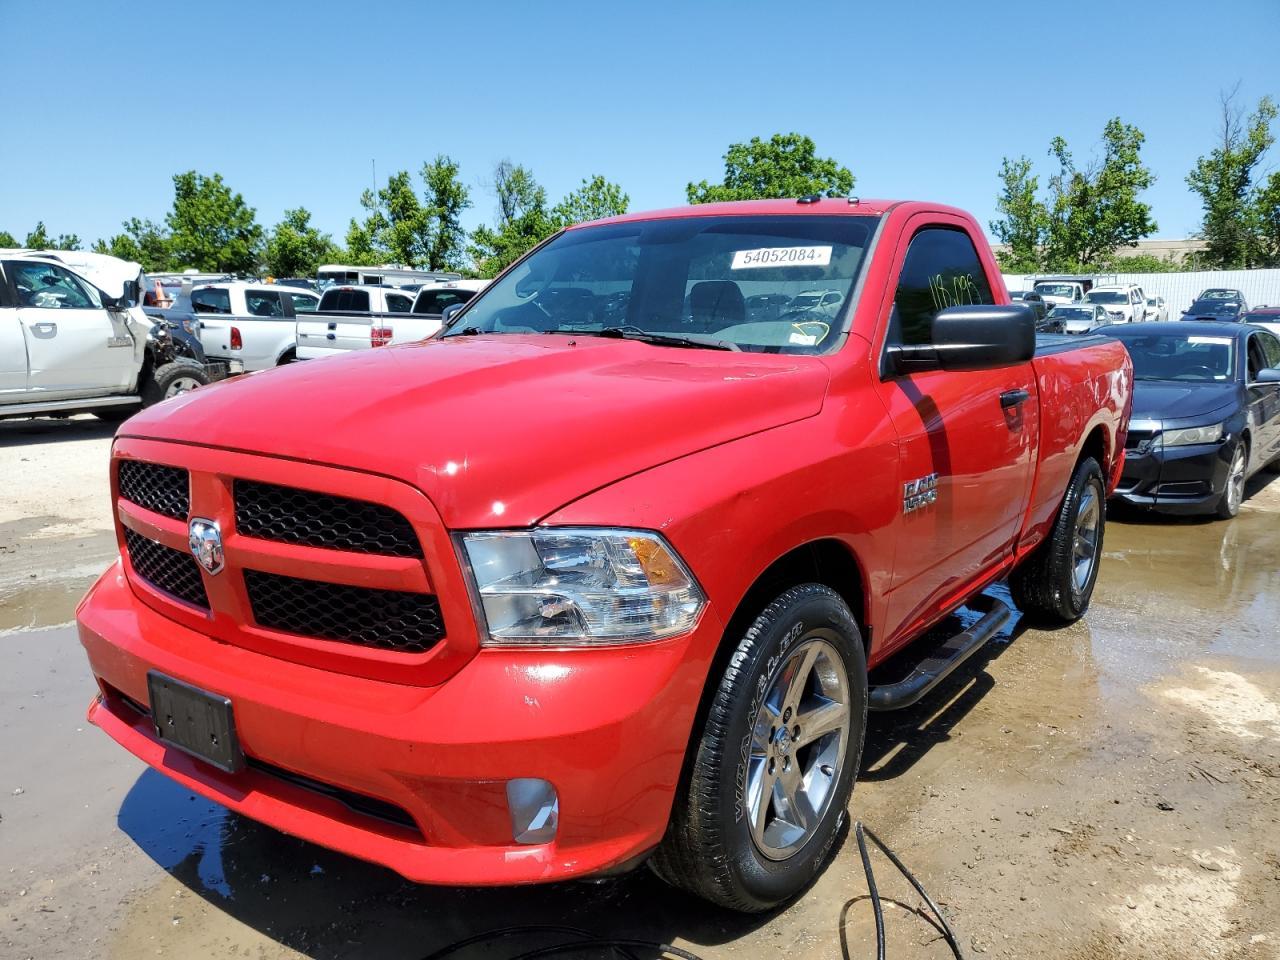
1011,398
45,329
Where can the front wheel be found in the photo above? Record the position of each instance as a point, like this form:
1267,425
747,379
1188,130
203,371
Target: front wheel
1053,586
1233,493
776,759
171,380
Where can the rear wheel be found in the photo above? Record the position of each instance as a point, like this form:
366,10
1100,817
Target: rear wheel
1053,586
289,356
171,380
1233,493
776,758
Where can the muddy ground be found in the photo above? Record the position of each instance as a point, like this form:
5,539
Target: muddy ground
1111,790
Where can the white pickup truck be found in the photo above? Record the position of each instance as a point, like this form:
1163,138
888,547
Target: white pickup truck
250,322
69,345
361,317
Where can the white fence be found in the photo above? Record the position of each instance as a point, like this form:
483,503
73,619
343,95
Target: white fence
1179,289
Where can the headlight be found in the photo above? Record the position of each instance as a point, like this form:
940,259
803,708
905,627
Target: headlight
1181,438
579,587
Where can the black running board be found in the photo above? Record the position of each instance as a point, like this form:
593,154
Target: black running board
939,665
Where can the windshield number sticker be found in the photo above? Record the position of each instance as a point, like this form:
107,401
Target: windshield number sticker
782,257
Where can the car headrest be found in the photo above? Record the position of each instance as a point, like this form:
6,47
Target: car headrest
717,303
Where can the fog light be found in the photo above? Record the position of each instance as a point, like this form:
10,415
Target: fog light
535,810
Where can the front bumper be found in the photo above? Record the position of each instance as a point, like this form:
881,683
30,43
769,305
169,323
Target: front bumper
608,728
1179,480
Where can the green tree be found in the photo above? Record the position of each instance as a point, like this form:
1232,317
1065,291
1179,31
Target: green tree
1094,211
1224,181
7,239
1023,218
784,166
365,239
143,242
39,239
446,197
211,227
524,220
1267,213
295,248
405,235
595,199
1141,263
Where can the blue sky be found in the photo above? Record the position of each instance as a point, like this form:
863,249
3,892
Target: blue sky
291,101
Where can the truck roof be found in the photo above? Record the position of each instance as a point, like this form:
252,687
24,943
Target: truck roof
848,206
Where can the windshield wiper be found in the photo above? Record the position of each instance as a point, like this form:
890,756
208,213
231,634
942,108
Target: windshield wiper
661,339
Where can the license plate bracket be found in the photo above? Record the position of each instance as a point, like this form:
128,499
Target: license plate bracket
195,721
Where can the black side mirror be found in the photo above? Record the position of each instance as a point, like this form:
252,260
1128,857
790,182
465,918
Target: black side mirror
972,338
114,303
449,312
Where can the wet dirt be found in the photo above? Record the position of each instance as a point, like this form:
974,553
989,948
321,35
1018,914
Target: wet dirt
1111,790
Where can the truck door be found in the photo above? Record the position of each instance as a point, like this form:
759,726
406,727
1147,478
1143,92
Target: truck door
13,349
74,348
967,439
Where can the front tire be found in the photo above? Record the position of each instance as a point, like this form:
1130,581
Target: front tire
1053,586
1233,494
776,759
171,380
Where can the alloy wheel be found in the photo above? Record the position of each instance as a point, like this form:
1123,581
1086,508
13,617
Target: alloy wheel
798,746
1084,546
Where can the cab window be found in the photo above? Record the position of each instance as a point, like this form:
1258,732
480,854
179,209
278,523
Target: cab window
263,303
46,287
434,301
398,304
1262,354
303,303
211,300
1270,349
941,270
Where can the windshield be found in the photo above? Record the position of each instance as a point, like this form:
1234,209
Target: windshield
697,277
1184,358
1215,308
1219,293
1106,296
1056,289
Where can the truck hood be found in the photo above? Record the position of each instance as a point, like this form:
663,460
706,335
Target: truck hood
497,430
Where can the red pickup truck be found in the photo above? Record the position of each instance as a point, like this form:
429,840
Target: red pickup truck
596,575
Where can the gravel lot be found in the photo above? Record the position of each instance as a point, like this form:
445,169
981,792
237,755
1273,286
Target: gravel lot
1111,790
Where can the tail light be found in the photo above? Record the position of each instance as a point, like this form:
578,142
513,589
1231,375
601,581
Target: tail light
237,342
379,336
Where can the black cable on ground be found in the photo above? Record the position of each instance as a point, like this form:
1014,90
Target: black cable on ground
589,941
862,832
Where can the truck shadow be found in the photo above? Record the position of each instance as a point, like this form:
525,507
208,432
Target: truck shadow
327,905
18,433
898,739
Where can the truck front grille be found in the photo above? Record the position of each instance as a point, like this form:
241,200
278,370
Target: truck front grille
172,571
290,515
162,489
383,619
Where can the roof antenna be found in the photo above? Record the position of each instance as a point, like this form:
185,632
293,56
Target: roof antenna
809,198
854,201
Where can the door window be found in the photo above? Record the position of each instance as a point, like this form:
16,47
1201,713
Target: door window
941,270
47,287
211,300
303,303
1270,348
263,303
1257,357
397,303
